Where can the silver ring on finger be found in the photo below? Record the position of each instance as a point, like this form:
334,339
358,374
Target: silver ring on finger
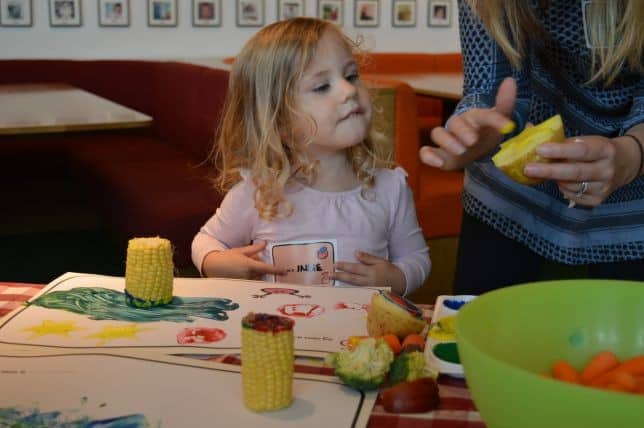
583,188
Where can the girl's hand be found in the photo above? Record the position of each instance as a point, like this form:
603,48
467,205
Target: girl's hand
600,162
241,263
472,134
371,271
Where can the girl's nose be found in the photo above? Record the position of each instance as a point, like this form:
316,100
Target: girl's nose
349,89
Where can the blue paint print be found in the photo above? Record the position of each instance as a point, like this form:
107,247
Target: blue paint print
34,418
104,304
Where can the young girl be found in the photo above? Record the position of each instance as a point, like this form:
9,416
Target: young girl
304,185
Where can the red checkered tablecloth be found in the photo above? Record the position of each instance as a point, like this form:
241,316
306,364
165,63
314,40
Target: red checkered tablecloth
456,409
13,294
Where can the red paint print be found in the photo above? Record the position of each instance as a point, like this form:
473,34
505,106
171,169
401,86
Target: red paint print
351,305
302,310
200,335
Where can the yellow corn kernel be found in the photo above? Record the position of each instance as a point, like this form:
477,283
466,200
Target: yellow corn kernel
148,272
267,367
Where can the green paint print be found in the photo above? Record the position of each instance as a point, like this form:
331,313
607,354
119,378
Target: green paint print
104,304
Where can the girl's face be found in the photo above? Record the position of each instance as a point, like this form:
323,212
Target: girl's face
331,93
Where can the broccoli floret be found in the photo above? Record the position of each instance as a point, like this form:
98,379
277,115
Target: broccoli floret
366,366
408,366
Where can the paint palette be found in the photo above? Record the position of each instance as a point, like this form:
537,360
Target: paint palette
440,349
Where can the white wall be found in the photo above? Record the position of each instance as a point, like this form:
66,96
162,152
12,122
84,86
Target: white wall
185,41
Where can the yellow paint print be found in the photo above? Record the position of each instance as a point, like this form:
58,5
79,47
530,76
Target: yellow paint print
59,328
115,332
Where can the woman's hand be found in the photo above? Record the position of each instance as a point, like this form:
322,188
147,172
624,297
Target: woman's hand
371,271
472,134
240,263
603,164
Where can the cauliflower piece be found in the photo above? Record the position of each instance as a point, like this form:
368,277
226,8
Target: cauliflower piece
409,366
365,367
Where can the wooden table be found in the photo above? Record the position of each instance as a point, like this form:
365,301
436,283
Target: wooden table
59,107
448,86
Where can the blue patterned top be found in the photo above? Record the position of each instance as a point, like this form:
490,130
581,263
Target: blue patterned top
538,216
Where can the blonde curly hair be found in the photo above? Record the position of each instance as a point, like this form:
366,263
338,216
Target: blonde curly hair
256,129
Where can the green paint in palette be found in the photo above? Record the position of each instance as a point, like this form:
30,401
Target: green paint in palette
447,352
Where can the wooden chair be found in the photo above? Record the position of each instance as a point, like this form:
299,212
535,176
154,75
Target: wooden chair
436,193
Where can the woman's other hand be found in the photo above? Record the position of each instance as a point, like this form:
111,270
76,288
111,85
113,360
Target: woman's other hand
370,271
240,263
472,134
602,163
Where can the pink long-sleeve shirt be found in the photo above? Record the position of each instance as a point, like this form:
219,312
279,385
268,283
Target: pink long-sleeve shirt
381,221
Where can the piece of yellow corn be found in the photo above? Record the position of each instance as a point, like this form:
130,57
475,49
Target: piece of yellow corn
148,272
267,361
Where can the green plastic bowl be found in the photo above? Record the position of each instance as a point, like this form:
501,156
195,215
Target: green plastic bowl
508,337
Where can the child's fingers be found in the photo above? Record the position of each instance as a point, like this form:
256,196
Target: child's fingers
349,278
257,266
369,259
351,273
253,249
353,268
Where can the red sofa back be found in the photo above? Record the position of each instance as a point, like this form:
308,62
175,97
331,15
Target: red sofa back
171,92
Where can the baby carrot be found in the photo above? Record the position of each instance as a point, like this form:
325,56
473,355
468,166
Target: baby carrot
634,366
625,380
393,342
563,370
639,388
414,339
601,363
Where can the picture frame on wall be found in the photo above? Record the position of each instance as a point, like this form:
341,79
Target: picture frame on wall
287,9
250,13
439,13
332,11
114,13
65,13
206,13
366,13
403,13
16,13
162,13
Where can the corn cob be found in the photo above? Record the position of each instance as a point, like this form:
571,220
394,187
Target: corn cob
392,314
267,361
148,272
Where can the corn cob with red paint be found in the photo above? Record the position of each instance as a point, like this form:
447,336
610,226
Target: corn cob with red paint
267,361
